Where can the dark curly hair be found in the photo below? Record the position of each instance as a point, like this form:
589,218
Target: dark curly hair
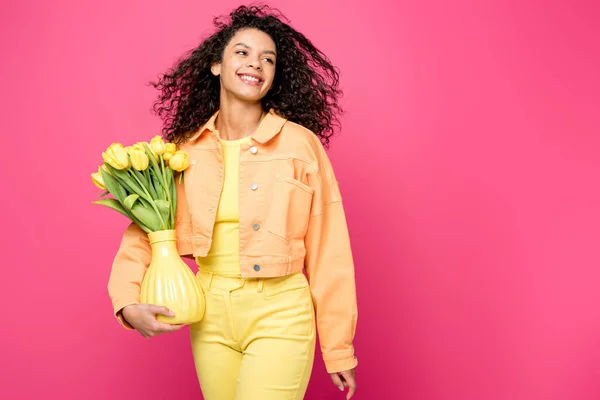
305,88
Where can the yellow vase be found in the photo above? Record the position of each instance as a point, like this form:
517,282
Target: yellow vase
170,282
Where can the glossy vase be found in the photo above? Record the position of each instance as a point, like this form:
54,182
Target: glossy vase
170,282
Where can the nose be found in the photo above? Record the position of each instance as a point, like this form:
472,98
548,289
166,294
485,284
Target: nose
254,64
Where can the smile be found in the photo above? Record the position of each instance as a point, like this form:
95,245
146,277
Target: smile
250,80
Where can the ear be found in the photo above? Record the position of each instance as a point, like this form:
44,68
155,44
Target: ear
215,69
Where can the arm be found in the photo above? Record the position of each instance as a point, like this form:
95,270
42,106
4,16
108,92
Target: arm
330,270
128,268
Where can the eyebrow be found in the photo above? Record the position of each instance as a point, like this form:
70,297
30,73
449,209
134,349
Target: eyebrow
248,47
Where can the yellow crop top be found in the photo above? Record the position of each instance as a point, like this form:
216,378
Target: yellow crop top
223,257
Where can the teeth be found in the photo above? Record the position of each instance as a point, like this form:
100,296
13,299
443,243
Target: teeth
249,78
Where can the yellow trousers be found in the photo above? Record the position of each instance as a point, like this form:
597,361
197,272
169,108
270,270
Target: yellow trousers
257,338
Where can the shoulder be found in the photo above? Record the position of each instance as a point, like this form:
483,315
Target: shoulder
303,140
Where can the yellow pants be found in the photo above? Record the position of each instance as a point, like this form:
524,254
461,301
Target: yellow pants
257,338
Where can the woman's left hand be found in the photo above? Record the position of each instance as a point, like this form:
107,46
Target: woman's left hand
345,379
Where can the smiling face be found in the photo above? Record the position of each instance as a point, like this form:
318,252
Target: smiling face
247,68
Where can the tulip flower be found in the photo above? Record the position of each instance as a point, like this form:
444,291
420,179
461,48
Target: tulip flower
98,180
179,161
142,146
171,148
157,145
116,156
139,159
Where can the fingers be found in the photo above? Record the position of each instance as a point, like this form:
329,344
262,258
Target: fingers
350,381
160,310
337,381
169,327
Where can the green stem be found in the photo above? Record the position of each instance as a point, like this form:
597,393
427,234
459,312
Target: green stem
167,185
150,184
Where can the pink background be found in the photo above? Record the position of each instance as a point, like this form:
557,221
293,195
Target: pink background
468,163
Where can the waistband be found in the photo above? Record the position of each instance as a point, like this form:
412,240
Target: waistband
230,283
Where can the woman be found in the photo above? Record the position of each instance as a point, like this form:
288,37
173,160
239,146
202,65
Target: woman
254,107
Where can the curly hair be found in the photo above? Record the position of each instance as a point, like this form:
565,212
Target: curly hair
305,87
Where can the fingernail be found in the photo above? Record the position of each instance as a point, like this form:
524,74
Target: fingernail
341,388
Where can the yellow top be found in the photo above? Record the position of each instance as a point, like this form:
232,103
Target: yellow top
223,257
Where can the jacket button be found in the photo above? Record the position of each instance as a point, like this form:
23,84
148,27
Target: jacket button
253,150
254,186
256,267
255,226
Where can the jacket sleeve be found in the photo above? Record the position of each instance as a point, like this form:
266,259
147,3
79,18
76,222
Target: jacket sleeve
129,266
330,270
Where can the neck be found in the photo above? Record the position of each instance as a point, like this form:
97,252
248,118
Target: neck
237,119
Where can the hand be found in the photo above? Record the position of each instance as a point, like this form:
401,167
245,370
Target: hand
143,318
345,379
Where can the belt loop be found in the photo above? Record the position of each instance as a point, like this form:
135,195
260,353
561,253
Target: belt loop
210,279
260,285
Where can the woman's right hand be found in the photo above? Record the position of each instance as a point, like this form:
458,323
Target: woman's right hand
143,318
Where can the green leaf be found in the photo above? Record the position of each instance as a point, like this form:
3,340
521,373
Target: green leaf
140,176
103,193
130,200
132,183
114,204
113,186
123,177
147,217
117,174
165,208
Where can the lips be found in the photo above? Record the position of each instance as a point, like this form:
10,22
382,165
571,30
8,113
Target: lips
250,79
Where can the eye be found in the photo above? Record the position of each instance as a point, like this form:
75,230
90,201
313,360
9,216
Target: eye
241,51
269,60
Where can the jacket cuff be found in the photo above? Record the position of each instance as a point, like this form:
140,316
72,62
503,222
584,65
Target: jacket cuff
341,365
119,316
340,360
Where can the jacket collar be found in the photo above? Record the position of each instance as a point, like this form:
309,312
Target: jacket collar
270,126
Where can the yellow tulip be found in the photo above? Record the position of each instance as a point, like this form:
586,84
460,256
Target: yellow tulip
116,156
179,161
139,159
128,149
157,145
97,179
141,146
171,148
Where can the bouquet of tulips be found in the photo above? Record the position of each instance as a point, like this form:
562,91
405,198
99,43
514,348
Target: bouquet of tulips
141,180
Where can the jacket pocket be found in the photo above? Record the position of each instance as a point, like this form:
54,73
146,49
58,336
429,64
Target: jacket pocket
289,210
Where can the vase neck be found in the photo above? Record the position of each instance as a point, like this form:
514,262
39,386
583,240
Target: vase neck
166,235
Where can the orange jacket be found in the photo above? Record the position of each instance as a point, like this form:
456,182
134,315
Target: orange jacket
290,217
